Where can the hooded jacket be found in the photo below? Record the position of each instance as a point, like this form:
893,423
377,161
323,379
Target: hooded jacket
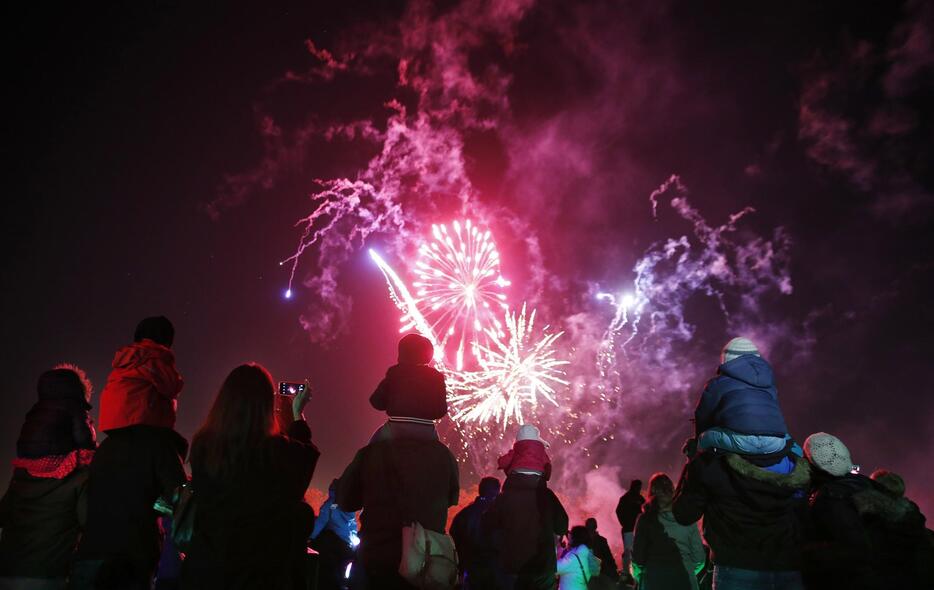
527,455
412,391
142,388
751,515
58,423
742,398
525,517
41,520
860,537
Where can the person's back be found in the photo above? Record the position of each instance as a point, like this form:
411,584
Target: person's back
249,482
738,410
601,549
396,482
140,460
41,519
860,536
413,394
133,467
751,515
526,517
143,385
476,551
627,511
629,508
666,554
44,508
578,566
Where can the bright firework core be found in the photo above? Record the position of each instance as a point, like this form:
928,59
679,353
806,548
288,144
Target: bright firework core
457,302
459,290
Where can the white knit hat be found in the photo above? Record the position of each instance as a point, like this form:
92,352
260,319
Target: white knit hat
529,432
828,453
736,348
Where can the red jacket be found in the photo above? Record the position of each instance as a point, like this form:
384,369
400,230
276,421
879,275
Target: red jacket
142,387
529,455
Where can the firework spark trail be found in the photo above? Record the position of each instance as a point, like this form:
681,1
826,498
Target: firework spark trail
419,169
460,288
407,304
735,274
518,366
515,372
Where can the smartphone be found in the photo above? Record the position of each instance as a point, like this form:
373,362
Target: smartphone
290,388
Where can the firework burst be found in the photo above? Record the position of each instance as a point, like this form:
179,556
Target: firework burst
516,372
459,290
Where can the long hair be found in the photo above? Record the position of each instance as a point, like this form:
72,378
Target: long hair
240,420
661,491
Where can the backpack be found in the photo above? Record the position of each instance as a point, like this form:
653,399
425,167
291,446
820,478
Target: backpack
429,560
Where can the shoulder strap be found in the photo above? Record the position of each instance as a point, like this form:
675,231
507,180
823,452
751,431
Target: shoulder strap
583,571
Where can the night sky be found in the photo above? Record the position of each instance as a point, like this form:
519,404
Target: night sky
161,153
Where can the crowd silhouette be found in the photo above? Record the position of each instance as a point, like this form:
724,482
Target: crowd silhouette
752,509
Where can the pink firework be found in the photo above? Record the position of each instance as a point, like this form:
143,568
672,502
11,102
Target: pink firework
459,290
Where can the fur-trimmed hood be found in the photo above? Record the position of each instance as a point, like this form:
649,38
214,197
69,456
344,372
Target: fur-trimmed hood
870,500
799,478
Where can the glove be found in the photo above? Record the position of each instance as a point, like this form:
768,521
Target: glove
698,568
636,572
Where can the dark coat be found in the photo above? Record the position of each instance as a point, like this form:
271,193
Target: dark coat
751,516
251,525
525,517
742,398
628,510
412,391
474,544
58,422
131,469
397,482
41,520
601,549
860,537
667,551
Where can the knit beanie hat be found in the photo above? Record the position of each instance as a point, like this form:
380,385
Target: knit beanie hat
736,348
529,432
415,349
828,453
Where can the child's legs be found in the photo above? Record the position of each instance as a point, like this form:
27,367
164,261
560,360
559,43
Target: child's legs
744,444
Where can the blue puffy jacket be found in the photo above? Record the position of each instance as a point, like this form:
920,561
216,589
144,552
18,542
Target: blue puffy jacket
742,398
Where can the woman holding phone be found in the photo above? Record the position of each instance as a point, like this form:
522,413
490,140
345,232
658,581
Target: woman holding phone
249,482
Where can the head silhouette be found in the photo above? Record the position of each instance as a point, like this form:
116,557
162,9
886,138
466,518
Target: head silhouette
158,329
489,487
